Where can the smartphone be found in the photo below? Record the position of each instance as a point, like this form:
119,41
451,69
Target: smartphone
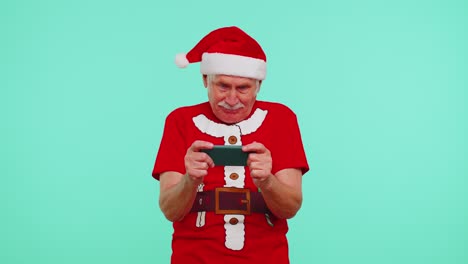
226,155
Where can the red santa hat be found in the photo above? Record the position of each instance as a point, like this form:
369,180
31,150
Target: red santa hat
228,51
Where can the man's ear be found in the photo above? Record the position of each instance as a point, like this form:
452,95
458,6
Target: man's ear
205,80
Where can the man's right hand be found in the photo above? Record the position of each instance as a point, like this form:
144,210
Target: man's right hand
197,163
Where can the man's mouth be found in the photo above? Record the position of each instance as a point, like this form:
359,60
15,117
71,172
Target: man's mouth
230,111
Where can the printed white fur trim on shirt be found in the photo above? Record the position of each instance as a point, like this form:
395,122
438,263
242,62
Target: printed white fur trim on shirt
235,234
248,126
253,123
239,182
201,215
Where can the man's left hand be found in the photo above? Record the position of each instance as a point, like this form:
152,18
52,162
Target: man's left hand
260,163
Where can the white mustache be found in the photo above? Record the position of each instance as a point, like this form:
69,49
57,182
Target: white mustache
228,107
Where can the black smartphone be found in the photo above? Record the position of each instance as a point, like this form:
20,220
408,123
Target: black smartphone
226,155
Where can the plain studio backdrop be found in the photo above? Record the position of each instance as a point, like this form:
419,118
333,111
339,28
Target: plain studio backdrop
379,88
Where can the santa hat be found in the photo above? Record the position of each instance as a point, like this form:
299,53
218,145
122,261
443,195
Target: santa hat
228,51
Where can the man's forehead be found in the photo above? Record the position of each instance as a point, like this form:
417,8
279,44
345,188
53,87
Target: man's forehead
232,78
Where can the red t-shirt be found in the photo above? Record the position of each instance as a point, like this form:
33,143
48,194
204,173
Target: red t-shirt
254,240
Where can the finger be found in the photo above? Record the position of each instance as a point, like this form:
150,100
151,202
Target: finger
254,147
254,161
199,145
209,161
259,174
253,157
258,165
261,164
201,165
198,169
202,157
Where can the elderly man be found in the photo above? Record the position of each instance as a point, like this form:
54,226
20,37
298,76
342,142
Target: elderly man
230,213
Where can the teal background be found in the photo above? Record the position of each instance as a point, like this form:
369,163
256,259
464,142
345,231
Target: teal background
379,88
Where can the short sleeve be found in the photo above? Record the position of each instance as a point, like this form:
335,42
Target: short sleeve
172,149
288,150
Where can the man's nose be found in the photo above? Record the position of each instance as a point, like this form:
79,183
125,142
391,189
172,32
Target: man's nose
232,98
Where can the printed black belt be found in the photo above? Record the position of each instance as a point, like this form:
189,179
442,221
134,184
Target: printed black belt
229,200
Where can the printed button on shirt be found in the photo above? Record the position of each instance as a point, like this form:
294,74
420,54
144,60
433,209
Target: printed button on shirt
233,221
232,140
234,176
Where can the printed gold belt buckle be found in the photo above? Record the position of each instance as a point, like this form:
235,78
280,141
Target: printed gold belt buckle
245,201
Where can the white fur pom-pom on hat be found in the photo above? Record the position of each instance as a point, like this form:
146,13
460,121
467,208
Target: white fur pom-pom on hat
181,60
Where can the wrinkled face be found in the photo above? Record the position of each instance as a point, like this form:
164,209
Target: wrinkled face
231,97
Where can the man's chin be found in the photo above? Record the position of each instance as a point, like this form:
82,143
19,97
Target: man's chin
230,118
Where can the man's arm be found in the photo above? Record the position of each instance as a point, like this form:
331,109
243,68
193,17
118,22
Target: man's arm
283,191
178,191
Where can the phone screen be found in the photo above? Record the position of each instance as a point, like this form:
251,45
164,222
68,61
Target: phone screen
227,155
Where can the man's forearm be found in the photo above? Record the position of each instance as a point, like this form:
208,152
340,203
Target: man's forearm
283,200
176,201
